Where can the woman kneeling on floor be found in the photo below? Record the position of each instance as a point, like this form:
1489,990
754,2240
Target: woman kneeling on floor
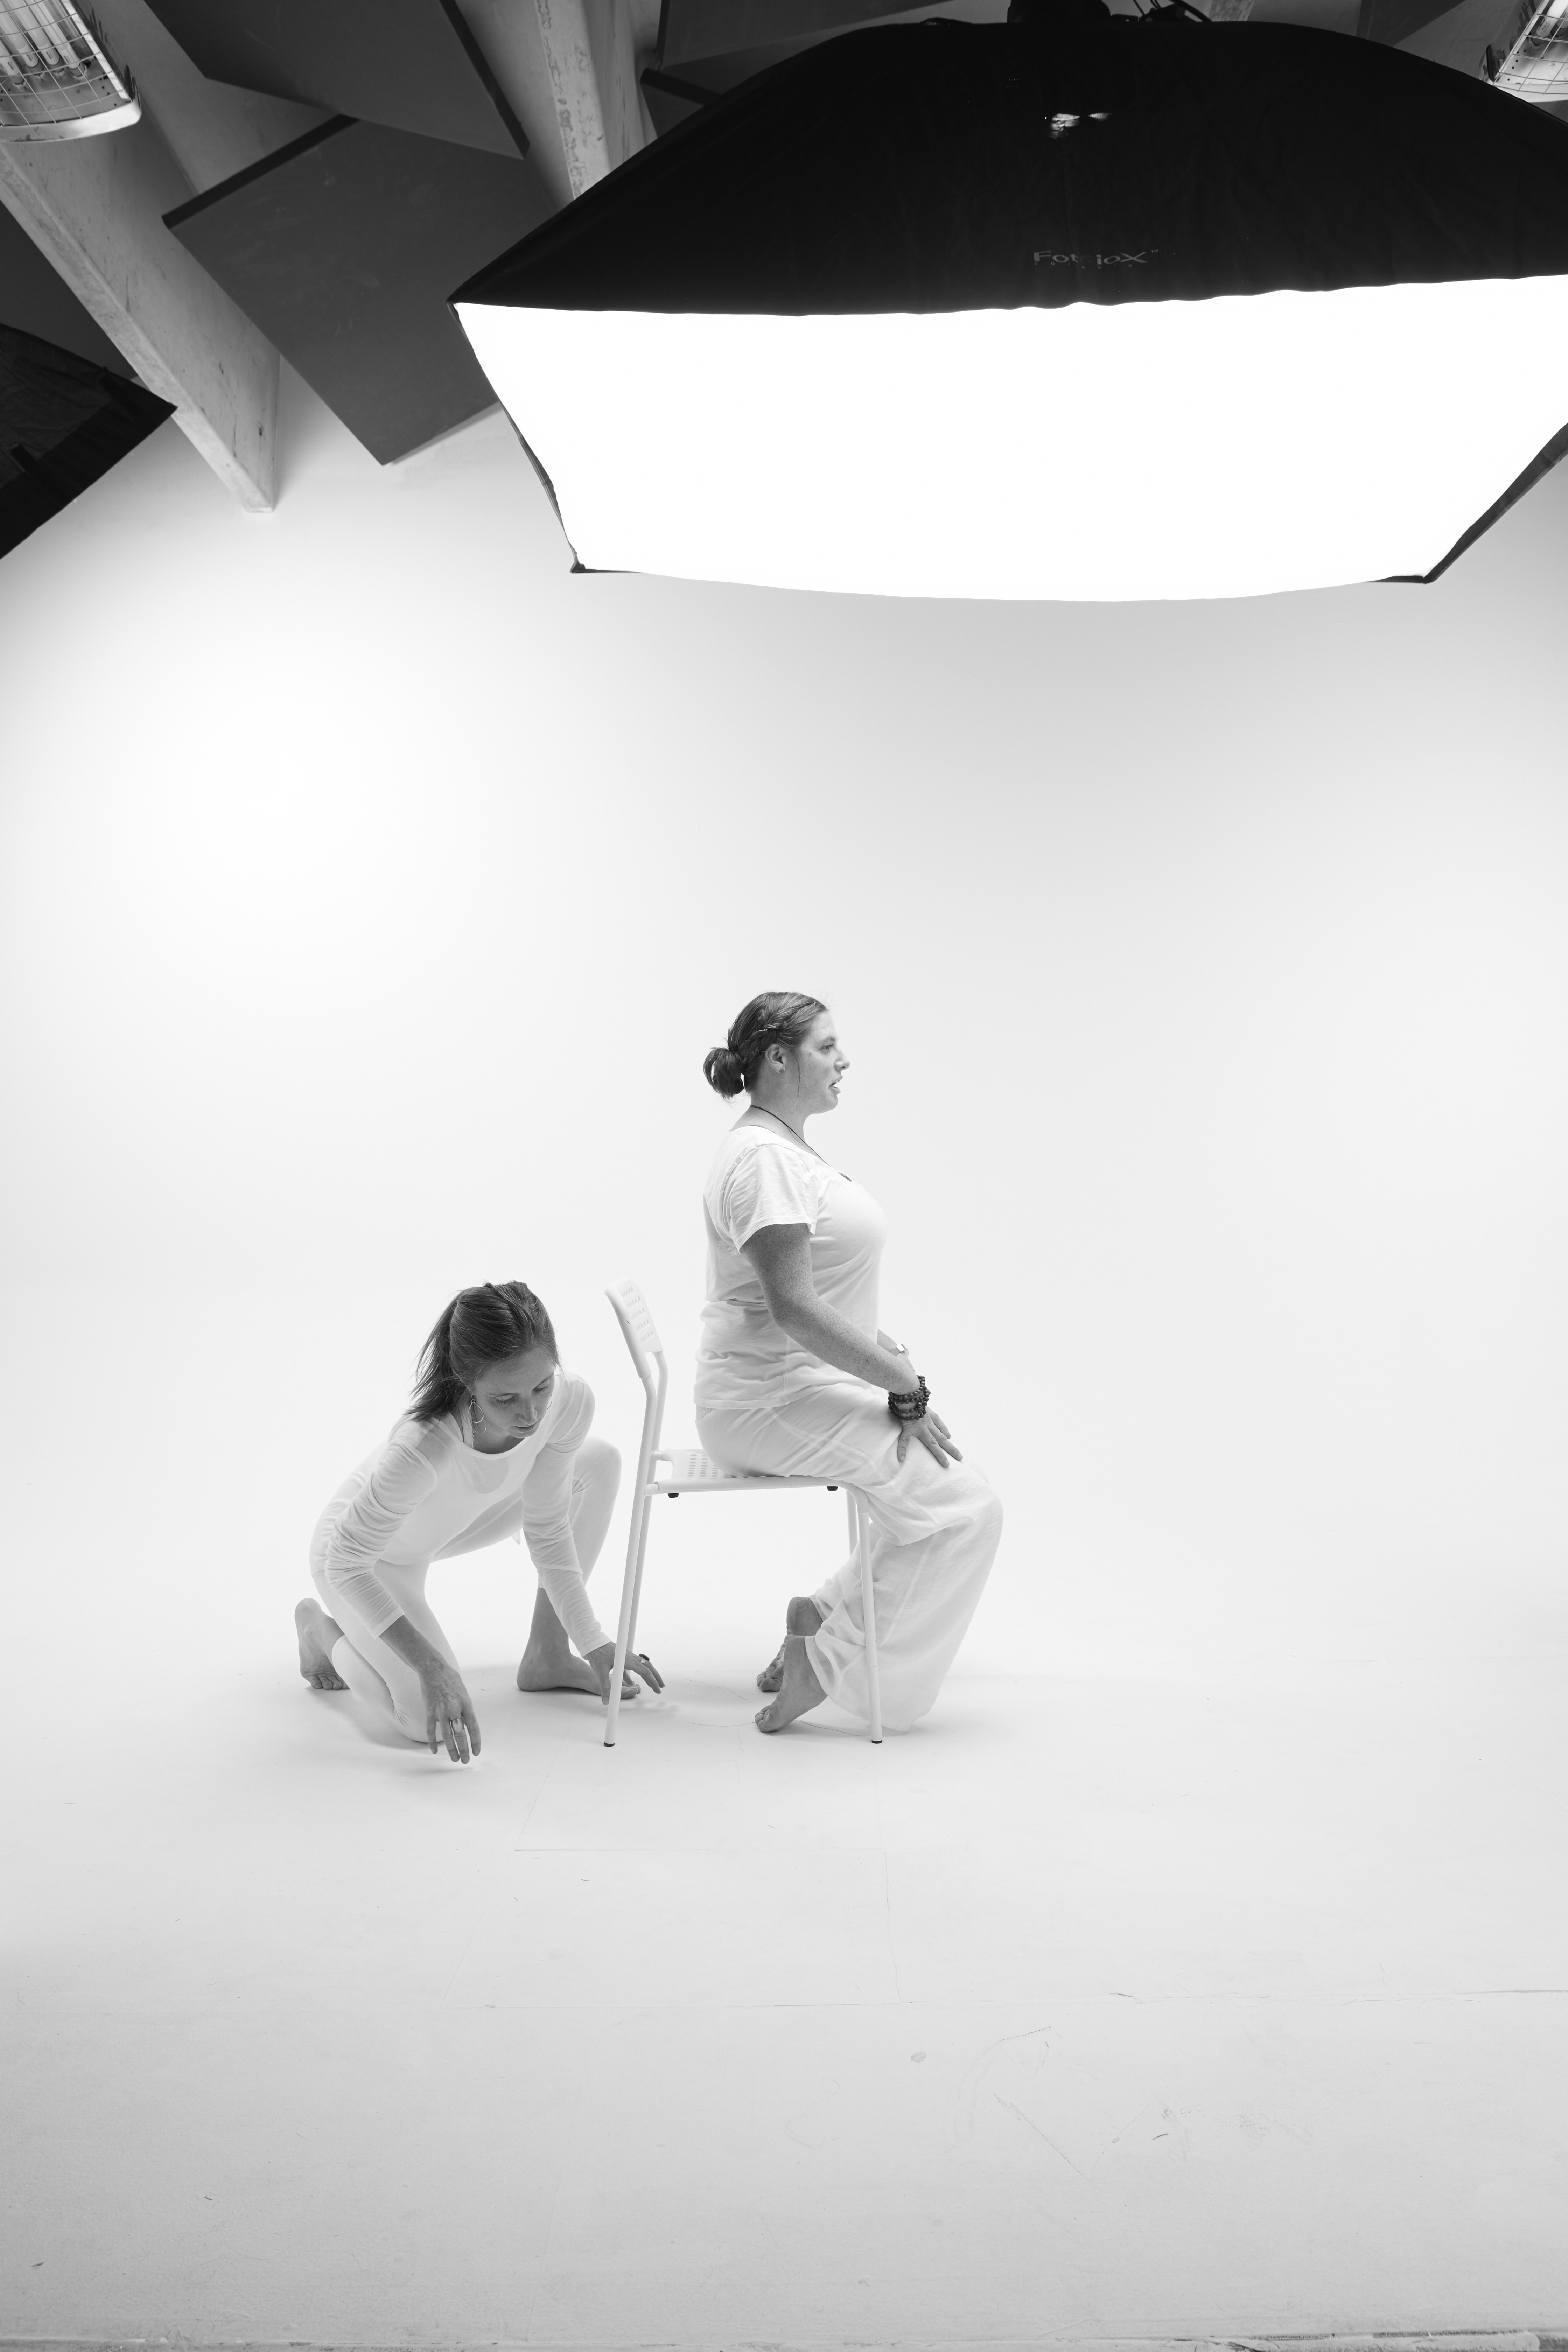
795,1377
494,1444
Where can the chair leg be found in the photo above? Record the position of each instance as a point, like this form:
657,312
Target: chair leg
860,1535
636,1540
637,1580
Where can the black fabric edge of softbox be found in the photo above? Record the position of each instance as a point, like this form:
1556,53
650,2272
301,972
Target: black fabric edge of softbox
49,484
587,227
1539,465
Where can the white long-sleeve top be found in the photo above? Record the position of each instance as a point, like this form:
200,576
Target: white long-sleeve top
428,1489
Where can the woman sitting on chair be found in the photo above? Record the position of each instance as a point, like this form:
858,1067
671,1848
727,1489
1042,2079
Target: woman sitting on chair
793,1378
494,1444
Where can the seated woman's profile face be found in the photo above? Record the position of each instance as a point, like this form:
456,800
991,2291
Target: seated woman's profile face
820,1062
512,1396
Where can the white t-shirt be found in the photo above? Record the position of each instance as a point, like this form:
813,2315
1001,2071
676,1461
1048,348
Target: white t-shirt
760,1178
429,1484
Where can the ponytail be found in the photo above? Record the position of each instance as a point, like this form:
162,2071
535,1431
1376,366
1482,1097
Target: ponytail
486,1324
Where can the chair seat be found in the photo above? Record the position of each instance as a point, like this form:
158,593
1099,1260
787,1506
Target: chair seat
661,1471
672,1472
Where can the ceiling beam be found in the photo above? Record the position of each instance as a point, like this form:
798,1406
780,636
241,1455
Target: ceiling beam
569,69
617,31
574,87
540,53
95,207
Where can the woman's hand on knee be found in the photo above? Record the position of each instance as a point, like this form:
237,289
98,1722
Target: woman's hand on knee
603,1661
449,1718
932,1433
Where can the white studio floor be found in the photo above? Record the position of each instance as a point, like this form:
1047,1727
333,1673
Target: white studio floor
1104,2005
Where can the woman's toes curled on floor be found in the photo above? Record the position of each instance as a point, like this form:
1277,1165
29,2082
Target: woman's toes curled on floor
799,1690
802,1616
317,1633
558,1670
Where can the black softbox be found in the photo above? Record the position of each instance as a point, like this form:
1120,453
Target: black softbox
1079,306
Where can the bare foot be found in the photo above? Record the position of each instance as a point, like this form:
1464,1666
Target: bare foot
317,1632
801,1690
543,1670
802,1616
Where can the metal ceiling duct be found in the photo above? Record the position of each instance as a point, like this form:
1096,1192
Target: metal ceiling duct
56,78
1534,64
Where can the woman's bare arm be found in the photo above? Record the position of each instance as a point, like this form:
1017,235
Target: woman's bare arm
782,1255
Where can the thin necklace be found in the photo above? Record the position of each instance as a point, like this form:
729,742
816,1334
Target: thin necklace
791,1132
782,1122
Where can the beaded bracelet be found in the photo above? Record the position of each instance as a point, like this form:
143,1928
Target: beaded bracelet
910,1404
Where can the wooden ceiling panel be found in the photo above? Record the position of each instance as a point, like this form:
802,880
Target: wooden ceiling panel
1459,36
412,65
343,249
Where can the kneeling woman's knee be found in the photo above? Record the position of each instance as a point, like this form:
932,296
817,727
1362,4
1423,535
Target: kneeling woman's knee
599,1460
598,1466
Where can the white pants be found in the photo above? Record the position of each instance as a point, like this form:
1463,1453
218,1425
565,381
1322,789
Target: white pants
934,1534
374,1672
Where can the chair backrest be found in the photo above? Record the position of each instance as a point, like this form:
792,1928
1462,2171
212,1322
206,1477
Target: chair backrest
636,1326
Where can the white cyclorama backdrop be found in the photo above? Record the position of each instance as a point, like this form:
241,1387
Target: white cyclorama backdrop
1232,447
370,890
373,889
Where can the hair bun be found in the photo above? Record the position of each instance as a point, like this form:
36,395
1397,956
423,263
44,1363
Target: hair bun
724,1071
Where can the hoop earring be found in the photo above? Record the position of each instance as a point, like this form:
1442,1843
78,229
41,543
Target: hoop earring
475,1415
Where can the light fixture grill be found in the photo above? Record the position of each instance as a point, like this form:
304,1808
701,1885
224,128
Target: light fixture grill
1535,63
56,78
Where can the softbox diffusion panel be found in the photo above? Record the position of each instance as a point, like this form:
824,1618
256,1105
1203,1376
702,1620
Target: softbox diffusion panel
342,249
64,422
1080,307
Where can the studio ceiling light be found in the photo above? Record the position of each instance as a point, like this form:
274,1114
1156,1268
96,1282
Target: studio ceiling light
1075,307
56,78
1534,64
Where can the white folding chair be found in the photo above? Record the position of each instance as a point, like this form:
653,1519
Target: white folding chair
660,1472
